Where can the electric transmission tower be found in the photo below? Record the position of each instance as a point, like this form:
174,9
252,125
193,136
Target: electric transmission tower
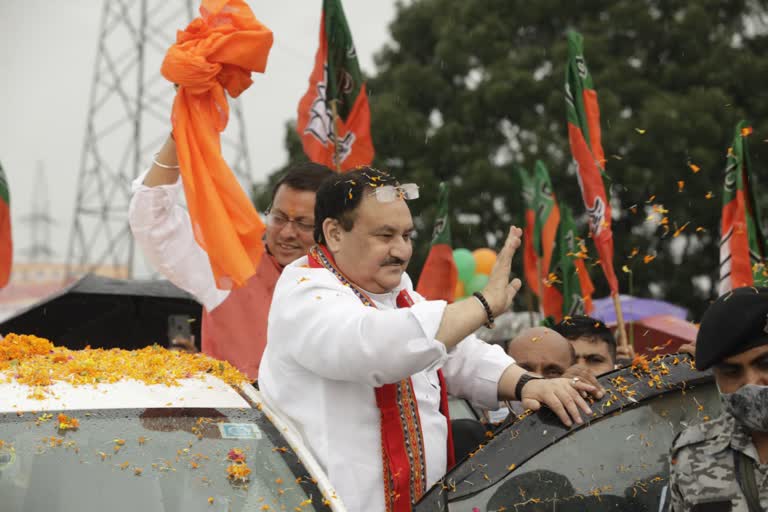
39,221
128,121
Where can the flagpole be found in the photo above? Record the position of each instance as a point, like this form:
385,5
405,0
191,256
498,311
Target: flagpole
623,341
540,282
335,132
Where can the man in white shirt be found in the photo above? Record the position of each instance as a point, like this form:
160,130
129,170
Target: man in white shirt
360,364
234,326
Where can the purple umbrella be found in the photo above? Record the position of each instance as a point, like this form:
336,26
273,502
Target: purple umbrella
634,309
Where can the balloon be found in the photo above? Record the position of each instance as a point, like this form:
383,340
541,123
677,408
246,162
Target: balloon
484,259
459,290
465,264
477,283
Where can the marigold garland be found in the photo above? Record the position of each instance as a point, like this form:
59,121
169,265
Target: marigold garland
36,362
14,347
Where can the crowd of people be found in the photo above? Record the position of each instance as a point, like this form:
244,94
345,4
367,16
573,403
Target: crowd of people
331,328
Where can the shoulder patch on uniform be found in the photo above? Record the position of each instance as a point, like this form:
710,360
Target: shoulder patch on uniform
692,435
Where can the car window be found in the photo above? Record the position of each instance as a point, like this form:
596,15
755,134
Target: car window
619,463
153,460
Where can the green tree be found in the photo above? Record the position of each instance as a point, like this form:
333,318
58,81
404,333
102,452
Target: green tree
469,89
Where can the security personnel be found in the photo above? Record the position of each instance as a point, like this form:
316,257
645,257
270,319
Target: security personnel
722,465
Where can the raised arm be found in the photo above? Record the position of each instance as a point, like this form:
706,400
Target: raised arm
164,232
164,170
464,317
564,396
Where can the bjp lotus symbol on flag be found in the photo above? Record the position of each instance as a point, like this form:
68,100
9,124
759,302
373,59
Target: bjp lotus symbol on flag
334,117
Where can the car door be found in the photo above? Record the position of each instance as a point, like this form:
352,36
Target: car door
618,461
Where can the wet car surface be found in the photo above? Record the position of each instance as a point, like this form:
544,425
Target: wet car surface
151,460
148,430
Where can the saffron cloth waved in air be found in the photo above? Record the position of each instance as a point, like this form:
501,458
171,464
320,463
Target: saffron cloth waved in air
214,56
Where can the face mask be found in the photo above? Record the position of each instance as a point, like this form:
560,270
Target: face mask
749,405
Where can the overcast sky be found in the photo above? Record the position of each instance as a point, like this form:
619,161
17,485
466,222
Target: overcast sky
48,52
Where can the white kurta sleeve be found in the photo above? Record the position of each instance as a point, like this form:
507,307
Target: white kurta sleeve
328,331
473,371
163,230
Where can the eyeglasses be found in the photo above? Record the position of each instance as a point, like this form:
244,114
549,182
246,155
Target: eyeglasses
388,193
279,221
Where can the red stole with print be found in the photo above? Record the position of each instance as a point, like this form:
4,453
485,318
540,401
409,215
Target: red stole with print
402,441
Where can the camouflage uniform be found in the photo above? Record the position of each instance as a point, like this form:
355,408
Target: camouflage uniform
703,477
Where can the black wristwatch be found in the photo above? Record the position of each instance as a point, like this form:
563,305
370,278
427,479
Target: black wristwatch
524,379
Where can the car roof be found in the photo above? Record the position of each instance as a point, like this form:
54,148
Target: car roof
37,375
514,443
205,391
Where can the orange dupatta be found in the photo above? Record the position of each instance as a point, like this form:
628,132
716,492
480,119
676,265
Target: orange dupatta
216,53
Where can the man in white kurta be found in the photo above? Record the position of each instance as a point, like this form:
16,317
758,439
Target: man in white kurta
333,351
327,352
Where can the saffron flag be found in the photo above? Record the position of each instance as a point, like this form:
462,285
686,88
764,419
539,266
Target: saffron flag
583,115
577,285
439,275
212,58
6,240
742,245
341,141
547,219
530,260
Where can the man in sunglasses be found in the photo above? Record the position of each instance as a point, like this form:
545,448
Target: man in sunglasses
234,326
361,365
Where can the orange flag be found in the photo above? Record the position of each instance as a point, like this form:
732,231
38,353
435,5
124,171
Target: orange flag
334,120
439,275
742,244
213,56
547,220
584,134
6,240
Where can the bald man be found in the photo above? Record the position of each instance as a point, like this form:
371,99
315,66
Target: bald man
542,351
547,353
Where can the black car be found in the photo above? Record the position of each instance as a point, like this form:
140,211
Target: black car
617,461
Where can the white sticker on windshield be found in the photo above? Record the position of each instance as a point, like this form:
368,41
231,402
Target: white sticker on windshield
239,431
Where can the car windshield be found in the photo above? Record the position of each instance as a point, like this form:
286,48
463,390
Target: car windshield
618,463
150,460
